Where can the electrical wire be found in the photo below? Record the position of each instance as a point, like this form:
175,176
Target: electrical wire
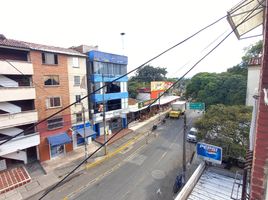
116,79
215,47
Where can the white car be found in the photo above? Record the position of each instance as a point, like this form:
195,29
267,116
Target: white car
191,136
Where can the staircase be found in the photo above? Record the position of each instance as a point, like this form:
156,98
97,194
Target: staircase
9,107
7,82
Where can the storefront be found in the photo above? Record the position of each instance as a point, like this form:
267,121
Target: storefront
57,144
80,135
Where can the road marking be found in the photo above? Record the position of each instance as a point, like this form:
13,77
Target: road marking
164,154
72,194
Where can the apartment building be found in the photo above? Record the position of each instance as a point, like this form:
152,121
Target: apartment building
103,68
50,66
18,112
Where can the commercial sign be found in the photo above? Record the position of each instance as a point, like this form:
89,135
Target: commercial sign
196,106
209,152
160,85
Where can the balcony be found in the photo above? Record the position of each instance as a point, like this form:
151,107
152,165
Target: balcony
24,67
20,143
17,119
16,93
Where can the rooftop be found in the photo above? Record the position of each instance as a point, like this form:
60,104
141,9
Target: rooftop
39,47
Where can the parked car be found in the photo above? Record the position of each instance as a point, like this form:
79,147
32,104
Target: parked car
191,135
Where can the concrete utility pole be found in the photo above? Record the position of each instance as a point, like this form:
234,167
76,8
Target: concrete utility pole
104,120
84,129
184,146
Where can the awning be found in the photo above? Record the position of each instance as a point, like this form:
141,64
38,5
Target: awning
59,139
88,132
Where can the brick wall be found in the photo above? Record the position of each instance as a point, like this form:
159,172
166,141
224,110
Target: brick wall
260,157
42,92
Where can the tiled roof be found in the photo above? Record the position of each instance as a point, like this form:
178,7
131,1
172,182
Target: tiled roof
39,47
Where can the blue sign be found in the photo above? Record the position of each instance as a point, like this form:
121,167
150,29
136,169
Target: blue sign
107,57
209,152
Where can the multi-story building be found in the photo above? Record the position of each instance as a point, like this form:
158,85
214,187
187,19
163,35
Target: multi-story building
77,74
50,66
103,68
18,112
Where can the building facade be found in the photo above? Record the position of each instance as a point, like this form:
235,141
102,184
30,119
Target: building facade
104,68
18,112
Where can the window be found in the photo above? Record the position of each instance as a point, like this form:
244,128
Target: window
76,80
51,80
78,98
79,117
54,123
49,58
75,62
53,102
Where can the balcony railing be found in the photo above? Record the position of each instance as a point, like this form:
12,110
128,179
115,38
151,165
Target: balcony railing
20,67
16,93
20,143
17,119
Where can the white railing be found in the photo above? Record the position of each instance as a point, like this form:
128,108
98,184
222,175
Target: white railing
16,93
19,67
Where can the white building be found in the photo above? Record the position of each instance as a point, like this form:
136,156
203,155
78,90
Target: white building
253,80
17,108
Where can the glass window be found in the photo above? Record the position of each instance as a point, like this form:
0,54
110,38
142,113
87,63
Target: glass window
79,117
51,80
54,123
78,98
76,80
53,102
49,58
75,62
57,150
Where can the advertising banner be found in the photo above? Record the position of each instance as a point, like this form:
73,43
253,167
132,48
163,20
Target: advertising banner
160,85
209,152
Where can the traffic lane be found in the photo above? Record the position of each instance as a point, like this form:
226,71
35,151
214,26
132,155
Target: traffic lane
140,171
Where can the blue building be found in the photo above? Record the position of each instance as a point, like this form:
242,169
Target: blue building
103,68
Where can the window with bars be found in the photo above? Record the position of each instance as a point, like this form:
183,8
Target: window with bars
54,123
76,80
79,117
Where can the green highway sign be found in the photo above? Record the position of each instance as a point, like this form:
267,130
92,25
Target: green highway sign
196,106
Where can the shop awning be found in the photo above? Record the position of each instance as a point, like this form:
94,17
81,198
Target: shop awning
59,139
88,132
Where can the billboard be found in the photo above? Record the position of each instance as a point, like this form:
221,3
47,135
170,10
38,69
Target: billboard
209,152
160,85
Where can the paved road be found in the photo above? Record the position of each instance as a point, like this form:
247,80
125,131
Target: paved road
143,171
148,173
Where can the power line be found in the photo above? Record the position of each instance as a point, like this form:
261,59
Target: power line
215,47
165,51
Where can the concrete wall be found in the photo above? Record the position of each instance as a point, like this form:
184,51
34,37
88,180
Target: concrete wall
252,83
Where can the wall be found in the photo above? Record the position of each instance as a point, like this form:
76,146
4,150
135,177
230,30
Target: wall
42,92
252,83
260,154
77,90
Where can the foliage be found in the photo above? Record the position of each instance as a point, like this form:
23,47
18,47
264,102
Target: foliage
211,88
149,73
133,85
227,127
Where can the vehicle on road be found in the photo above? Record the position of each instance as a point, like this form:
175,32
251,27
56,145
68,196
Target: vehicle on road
179,182
177,109
192,135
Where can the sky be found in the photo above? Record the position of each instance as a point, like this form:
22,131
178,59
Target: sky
150,27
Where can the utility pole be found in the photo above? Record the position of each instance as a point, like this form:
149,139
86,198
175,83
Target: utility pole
84,129
184,146
104,120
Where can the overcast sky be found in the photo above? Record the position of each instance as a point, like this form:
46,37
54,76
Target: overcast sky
150,27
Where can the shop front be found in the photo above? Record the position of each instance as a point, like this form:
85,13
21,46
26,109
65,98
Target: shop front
57,144
80,135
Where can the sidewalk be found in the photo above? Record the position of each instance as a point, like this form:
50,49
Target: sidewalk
56,169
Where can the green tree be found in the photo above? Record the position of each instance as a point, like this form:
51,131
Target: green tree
227,127
149,73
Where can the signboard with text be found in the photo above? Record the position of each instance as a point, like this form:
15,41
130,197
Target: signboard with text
196,106
209,152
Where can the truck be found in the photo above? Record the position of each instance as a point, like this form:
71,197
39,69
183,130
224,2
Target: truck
177,109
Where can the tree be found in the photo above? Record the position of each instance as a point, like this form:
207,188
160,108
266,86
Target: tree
149,73
227,127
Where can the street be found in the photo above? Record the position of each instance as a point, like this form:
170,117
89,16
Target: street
147,170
